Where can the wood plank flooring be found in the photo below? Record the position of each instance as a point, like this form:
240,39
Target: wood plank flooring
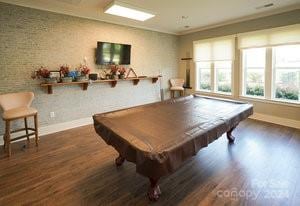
76,167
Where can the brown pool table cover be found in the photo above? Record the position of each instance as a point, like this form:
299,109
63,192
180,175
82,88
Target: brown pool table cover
159,137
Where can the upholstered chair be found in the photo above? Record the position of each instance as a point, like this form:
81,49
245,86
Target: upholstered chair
17,106
176,85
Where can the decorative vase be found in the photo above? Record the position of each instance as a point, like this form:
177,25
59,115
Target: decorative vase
50,80
80,78
107,76
66,79
114,76
121,76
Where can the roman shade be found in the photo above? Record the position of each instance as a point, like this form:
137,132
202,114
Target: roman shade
270,37
217,49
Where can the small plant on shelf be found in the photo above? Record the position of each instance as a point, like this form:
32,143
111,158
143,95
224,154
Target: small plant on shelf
122,72
45,74
65,70
114,72
83,71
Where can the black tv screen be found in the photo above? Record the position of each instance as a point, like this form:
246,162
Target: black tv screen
111,53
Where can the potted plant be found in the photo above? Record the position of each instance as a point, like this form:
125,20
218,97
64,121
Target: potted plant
44,73
122,72
64,70
82,73
113,72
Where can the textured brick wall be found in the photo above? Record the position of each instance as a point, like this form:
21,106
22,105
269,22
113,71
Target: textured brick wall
30,38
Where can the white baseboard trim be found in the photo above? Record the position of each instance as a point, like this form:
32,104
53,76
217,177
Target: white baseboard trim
65,126
276,120
58,127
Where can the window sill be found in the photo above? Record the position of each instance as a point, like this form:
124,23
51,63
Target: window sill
217,94
270,101
248,98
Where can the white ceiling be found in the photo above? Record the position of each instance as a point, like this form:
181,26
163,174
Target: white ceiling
201,13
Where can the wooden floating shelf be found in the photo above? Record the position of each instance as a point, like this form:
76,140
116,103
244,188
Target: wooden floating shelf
85,84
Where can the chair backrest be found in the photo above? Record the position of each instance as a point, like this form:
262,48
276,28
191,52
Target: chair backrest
177,82
15,100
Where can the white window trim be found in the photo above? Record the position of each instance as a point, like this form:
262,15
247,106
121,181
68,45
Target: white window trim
271,101
273,97
213,81
269,89
231,83
243,77
250,98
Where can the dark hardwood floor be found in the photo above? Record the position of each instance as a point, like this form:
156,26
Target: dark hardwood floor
76,167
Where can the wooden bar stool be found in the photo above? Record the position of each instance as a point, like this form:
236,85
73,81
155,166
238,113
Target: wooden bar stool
176,85
17,106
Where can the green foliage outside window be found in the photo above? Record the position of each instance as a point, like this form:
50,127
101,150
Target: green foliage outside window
205,86
287,93
224,88
255,90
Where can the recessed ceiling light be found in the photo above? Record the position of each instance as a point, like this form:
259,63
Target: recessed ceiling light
265,6
186,26
125,10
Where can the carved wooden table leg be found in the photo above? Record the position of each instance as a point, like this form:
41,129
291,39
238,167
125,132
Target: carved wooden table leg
119,161
154,190
230,137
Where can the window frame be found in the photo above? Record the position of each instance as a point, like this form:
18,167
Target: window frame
197,79
243,77
273,89
270,80
213,79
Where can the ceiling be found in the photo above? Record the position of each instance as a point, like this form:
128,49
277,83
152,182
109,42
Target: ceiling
201,14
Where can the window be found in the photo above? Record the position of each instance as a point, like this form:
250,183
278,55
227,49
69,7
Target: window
254,62
214,60
286,72
223,76
204,75
271,63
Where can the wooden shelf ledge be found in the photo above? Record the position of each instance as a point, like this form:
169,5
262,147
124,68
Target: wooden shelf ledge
85,84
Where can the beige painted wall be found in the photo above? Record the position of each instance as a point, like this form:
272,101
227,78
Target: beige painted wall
30,38
186,45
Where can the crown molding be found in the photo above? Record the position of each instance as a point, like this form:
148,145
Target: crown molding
242,19
180,33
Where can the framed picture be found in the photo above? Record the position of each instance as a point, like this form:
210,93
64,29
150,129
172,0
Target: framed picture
55,74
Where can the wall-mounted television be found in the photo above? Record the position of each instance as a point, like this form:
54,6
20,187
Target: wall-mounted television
112,53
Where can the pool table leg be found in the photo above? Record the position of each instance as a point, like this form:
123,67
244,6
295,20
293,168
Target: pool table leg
154,190
119,161
230,137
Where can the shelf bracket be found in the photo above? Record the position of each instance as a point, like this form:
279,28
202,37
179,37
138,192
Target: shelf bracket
113,83
50,89
85,86
135,81
154,79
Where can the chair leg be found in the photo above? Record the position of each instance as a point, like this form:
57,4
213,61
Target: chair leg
26,128
36,129
4,141
7,136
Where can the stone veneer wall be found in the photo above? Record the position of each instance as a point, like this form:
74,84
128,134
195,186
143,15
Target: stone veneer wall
30,38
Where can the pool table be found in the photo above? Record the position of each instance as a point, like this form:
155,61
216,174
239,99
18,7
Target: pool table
159,137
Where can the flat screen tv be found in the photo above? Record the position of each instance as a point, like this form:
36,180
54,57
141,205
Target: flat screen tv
111,53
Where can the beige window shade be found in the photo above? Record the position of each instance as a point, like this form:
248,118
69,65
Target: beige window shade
218,49
271,37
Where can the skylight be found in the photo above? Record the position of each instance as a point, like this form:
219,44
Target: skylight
125,10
